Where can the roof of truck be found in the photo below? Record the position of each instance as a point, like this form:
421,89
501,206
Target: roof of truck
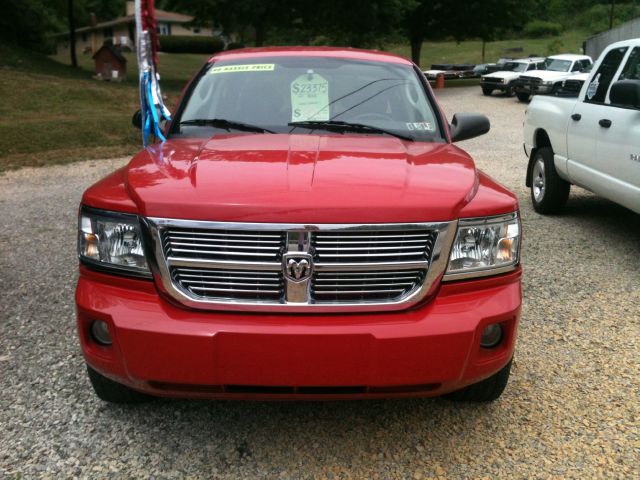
336,52
570,56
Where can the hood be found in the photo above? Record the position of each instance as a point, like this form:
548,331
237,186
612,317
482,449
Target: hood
504,74
547,75
302,179
580,76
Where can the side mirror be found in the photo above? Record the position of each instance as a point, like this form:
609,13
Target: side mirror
625,93
136,120
468,125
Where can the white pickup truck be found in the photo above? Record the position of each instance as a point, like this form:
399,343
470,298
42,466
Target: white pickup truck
548,80
592,141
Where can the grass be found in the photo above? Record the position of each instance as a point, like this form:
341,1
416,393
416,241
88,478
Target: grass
52,113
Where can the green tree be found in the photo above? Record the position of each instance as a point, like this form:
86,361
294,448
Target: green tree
488,20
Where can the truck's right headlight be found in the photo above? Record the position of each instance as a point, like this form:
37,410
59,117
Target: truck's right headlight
485,246
111,241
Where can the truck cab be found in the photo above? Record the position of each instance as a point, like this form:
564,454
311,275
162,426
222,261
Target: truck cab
592,141
548,80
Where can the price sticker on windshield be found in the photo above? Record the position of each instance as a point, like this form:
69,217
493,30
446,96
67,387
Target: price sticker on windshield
256,67
309,98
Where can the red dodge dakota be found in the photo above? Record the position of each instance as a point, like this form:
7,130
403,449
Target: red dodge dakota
307,230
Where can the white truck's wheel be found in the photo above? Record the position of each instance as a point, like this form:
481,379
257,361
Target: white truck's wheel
549,192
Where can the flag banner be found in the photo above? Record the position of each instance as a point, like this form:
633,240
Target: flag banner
151,104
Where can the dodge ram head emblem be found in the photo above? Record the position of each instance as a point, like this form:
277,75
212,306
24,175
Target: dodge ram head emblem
297,266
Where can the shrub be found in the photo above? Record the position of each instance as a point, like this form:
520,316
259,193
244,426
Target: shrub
189,44
555,46
541,28
596,18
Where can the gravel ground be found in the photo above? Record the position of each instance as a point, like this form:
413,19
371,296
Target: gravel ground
571,408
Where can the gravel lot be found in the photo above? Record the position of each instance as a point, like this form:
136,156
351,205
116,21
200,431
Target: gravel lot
571,408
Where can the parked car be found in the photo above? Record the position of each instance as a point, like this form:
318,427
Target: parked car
309,229
549,80
505,80
450,71
592,141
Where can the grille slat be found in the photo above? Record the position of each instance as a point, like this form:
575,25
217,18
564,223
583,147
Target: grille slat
223,245
372,247
336,287
216,284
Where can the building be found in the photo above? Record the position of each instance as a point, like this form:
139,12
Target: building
110,64
595,45
121,31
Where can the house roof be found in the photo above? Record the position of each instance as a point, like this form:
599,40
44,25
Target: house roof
114,51
161,16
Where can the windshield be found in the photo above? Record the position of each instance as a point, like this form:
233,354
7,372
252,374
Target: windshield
556,65
272,93
515,67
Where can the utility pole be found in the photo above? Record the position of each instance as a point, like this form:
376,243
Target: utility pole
72,35
613,4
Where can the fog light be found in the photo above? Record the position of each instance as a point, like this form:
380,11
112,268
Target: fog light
100,332
491,335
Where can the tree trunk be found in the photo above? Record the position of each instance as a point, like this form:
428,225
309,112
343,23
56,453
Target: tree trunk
416,49
260,34
484,45
72,35
613,5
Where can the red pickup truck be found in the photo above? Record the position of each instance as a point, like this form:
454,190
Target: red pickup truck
308,230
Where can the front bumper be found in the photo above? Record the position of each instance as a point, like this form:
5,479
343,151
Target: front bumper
496,86
532,89
167,350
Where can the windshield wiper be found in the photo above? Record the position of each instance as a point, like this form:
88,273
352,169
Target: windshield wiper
226,124
341,126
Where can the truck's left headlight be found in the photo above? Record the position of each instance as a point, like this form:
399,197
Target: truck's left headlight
112,241
485,246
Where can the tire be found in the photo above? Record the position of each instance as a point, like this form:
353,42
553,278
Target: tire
113,392
487,390
486,91
509,92
523,97
549,192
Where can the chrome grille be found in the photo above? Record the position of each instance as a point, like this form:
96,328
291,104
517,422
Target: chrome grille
223,244
364,286
573,86
530,80
372,246
297,267
208,283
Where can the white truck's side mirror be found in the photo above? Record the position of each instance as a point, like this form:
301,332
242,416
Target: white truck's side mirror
625,93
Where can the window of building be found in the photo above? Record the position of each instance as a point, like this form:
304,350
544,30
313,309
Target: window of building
164,29
107,32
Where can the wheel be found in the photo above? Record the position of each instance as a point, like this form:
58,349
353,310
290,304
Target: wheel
486,91
509,92
487,390
523,97
113,392
549,192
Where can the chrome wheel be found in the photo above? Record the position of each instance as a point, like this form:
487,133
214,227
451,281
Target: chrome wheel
538,185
